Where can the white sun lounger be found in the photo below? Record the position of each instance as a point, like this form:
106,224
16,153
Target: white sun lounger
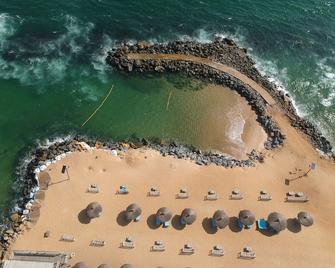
158,246
67,238
154,192
247,253
93,188
183,194
236,195
128,243
97,243
211,195
187,249
217,250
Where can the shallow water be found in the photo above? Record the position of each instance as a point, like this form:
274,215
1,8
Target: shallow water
52,71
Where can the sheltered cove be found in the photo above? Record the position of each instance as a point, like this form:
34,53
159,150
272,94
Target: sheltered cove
129,58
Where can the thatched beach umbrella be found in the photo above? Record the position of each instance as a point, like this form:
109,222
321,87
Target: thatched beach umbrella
277,221
44,180
188,216
93,210
133,211
103,266
164,214
127,266
80,265
221,219
246,217
305,218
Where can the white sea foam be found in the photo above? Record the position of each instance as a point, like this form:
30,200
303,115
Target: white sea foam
50,61
326,75
7,28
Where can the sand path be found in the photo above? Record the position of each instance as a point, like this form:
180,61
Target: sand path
215,65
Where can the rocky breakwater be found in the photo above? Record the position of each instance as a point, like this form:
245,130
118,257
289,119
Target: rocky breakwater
31,192
223,51
118,59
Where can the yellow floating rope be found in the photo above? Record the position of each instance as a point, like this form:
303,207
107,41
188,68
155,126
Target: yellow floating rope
168,101
97,109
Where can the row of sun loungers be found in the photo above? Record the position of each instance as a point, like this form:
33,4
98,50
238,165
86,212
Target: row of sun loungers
211,194
159,246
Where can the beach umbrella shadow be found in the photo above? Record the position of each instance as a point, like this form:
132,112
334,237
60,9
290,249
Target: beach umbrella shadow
121,219
233,226
176,223
208,227
293,225
267,232
151,222
82,217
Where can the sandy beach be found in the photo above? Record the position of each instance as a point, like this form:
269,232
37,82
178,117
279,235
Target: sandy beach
141,169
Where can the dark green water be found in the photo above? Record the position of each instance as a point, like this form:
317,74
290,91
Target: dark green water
52,71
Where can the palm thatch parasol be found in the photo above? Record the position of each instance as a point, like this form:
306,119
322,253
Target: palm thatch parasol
103,266
93,210
305,218
246,217
126,266
44,180
133,211
277,222
80,265
221,219
164,214
188,216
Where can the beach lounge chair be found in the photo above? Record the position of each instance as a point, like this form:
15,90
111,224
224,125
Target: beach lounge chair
67,238
183,194
158,246
154,192
97,243
261,224
123,190
247,253
217,250
211,195
166,224
187,249
236,195
296,197
93,188
128,243
264,196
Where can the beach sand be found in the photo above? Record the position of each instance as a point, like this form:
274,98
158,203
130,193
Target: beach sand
216,117
140,169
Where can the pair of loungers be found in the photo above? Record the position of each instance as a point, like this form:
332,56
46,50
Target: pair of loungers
296,197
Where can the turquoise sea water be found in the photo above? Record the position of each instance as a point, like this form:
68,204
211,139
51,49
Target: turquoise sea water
52,71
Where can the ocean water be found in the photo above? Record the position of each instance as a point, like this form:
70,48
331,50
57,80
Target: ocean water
53,75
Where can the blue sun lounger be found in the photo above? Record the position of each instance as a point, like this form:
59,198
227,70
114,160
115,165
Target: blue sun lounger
261,224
